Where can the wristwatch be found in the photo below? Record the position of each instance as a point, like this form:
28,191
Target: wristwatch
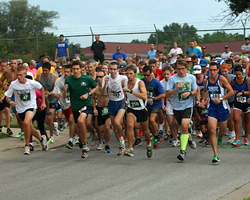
89,93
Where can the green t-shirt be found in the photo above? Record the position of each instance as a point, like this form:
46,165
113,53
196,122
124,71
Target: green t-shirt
139,76
78,87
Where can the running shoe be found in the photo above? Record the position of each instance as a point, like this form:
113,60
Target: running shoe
52,140
150,151
31,147
137,142
166,136
176,143
107,149
104,141
61,127
231,140
84,153
191,143
236,143
207,143
220,140
44,143
157,142
215,159
75,140
200,135
160,133
203,140
27,150
100,146
56,131
121,150
129,152
9,131
181,156
246,142
69,145
171,140
20,134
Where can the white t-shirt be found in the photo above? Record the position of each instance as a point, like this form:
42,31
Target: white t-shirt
58,89
226,55
114,87
25,94
245,47
174,52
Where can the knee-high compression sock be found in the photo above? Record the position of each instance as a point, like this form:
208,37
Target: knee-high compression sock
184,141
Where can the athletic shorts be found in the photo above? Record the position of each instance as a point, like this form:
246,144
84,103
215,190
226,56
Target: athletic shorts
84,109
103,115
22,115
141,115
203,122
231,104
53,105
4,104
114,107
67,113
221,114
153,110
169,108
183,114
244,107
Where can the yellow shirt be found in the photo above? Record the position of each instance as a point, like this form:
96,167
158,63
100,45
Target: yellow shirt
1,88
40,70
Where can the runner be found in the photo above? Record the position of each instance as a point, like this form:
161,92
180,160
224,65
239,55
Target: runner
101,111
240,85
80,98
181,89
25,96
218,108
65,102
136,111
155,94
114,84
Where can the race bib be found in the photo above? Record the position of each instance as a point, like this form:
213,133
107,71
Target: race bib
67,99
116,94
105,111
134,104
25,97
241,99
204,112
215,96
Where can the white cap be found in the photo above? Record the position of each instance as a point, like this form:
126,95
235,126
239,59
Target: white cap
197,69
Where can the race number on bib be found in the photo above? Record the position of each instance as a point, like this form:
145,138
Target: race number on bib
241,99
215,96
105,111
115,94
25,97
134,104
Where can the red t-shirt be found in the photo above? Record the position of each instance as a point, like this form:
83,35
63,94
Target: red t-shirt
158,72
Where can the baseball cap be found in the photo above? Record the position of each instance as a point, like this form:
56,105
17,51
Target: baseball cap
118,47
247,38
20,60
197,69
188,59
122,65
203,62
61,35
226,46
203,47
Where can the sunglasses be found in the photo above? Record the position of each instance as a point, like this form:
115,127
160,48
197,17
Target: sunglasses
99,76
147,75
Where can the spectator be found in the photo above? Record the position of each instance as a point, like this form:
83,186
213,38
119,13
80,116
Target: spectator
227,53
196,45
174,52
98,48
193,49
62,51
152,52
204,51
245,66
41,62
245,48
118,54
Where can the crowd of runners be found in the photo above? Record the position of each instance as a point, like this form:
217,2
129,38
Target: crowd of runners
172,98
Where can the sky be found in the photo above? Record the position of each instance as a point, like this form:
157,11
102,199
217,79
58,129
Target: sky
112,16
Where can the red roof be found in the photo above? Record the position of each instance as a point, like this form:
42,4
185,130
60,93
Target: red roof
140,49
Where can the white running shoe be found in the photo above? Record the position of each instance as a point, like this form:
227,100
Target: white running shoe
100,146
27,150
176,143
52,140
44,143
56,131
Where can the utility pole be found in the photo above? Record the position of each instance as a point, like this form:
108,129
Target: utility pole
156,37
92,34
244,27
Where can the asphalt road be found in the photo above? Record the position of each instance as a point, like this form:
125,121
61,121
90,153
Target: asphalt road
61,174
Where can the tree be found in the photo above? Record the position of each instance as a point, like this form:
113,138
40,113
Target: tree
221,36
238,10
182,34
22,24
138,41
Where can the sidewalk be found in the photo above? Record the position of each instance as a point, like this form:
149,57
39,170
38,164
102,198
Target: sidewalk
15,143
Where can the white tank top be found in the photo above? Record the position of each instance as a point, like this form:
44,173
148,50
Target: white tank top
134,102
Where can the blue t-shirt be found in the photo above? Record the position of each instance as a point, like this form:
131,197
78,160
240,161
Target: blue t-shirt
194,50
116,55
188,84
152,54
38,65
154,88
61,47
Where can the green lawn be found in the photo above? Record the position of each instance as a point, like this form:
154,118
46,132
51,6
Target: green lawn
3,136
248,198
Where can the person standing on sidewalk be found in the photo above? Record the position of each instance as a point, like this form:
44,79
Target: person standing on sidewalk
62,51
26,105
78,86
98,48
